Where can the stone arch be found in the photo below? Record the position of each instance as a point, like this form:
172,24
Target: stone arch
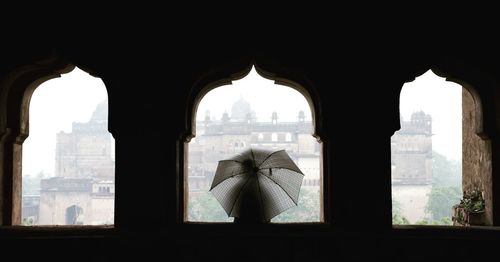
74,215
16,90
224,75
483,128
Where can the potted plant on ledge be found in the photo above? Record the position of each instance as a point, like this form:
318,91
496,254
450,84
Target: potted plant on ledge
470,211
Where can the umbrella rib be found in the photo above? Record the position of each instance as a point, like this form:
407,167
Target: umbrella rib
278,167
281,188
226,179
237,196
261,198
268,156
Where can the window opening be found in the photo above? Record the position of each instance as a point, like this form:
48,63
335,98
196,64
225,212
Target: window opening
68,157
241,112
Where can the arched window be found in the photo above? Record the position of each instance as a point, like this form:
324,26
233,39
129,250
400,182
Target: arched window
274,137
69,150
255,96
436,153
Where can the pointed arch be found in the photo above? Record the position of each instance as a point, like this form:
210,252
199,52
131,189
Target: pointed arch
16,90
478,128
225,76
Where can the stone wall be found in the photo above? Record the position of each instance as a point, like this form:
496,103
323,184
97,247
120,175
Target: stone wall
53,207
476,155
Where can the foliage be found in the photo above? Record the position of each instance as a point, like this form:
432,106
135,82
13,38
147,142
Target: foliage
446,189
396,206
422,222
445,192
441,201
472,201
399,220
443,221
445,172
202,206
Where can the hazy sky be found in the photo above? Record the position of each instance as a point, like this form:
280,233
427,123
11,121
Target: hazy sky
262,94
429,93
443,101
59,102
54,106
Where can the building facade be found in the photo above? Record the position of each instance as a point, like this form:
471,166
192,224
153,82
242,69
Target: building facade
218,139
82,190
411,149
411,162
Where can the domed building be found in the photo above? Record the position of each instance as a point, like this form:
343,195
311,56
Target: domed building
83,189
242,111
222,138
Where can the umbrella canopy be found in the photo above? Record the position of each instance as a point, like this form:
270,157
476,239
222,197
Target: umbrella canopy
257,184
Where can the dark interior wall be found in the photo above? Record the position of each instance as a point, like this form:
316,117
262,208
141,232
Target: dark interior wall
151,84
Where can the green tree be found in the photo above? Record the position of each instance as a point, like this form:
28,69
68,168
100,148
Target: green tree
446,189
397,218
445,172
442,221
422,222
441,201
203,206
396,207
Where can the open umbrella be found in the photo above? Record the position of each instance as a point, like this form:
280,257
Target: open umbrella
257,184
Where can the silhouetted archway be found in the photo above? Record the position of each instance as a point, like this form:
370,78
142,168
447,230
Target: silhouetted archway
74,215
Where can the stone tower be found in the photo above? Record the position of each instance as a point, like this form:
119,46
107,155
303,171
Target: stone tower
411,150
86,152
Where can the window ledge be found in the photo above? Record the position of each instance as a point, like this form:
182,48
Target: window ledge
57,231
469,232
256,230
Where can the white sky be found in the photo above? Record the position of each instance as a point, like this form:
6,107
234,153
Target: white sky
429,93
262,94
59,102
443,101
54,106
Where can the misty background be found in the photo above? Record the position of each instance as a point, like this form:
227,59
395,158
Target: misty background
54,106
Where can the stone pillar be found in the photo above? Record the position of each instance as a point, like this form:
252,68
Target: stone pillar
476,155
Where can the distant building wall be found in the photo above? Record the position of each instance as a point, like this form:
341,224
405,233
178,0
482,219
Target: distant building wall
84,175
217,140
53,207
96,200
412,200
310,166
411,159
411,149
87,150
80,154
103,203
101,206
